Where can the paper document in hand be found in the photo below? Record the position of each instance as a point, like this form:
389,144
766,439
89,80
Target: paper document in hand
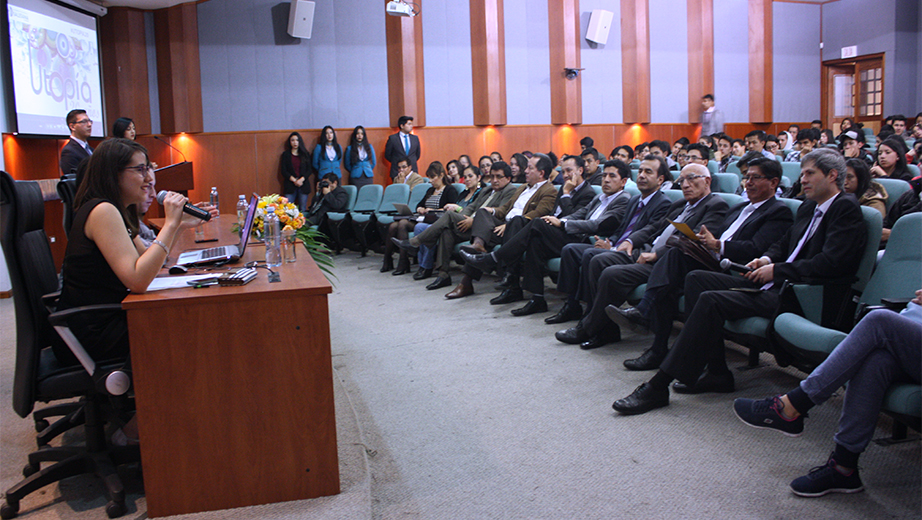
683,227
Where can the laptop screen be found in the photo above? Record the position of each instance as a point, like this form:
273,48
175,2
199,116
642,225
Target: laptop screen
248,225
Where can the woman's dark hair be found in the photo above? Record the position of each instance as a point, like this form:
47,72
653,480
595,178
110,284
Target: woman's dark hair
851,123
323,141
302,150
457,166
120,126
710,142
356,145
899,146
101,178
638,150
683,141
465,156
830,139
436,169
862,173
520,160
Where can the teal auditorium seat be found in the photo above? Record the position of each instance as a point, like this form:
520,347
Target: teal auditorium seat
459,188
791,172
416,196
393,194
367,200
360,221
598,189
913,168
732,199
724,182
713,166
895,188
674,195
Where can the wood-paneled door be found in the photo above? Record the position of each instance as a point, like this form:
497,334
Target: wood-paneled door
854,88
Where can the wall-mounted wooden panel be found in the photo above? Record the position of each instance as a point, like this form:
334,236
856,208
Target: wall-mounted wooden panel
564,46
488,60
179,77
635,60
760,61
700,55
406,82
124,66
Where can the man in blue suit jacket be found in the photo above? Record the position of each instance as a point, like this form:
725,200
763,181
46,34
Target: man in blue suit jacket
401,145
77,148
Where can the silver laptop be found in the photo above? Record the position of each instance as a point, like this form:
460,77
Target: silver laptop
229,253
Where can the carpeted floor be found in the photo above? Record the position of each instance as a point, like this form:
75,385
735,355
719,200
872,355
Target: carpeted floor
456,409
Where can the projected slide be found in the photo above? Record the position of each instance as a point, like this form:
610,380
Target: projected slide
55,63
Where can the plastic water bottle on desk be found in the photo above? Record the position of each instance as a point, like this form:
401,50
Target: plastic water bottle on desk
272,237
214,200
242,209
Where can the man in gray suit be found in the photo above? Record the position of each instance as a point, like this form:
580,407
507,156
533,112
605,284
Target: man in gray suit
453,226
543,238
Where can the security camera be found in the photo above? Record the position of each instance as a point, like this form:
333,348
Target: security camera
571,73
401,8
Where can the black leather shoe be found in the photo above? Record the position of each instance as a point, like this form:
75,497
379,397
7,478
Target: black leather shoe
472,249
405,245
643,399
484,261
422,273
708,383
569,312
508,296
534,305
505,283
630,318
388,264
600,340
403,267
441,281
573,335
649,360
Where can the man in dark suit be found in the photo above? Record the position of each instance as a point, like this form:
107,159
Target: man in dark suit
401,145
824,244
593,173
650,206
747,232
77,148
614,275
329,196
543,238
491,226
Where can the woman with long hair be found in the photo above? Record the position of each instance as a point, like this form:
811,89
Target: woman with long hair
296,164
454,171
328,154
891,159
124,128
869,192
359,159
518,164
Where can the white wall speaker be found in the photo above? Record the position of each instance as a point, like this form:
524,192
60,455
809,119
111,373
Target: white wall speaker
301,18
599,25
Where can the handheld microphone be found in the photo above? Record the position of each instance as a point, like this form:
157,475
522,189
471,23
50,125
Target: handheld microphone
188,208
726,264
173,147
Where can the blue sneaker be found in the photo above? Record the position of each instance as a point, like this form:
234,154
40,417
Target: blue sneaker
766,414
826,479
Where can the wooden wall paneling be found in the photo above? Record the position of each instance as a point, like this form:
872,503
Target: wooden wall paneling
635,60
405,80
178,69
564,47
603,137
227,161
267,176
760,61
700,55
488,60
565,140
513,139
446,143
378,137
124,64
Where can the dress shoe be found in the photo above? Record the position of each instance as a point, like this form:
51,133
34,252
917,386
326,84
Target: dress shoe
474,250
508,296
600,340
642,400
573,335
649,360
508,281
460,291
441,281
422,273
630,318
388,264
569,312
534,305
708,383
483,261
403,267
405,245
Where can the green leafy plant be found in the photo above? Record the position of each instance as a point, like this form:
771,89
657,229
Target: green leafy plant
313,241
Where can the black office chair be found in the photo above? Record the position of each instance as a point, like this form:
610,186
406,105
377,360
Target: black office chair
67,190
39,377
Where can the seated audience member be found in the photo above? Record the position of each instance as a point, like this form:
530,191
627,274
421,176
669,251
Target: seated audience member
518,164
793,130
916,151
681,157
328,154
825,243
485,163
771,144
900,128
852,143
846,125
747,231
738,146
816,124
755,142
455,175
708,141
723,153
622,153
826,137
642,150
493,225
885,131
330,196
405,175
650,206
806,140
677,147
891,160
661,149
586,142
916,131
496,156
858,182
426,256
437,197
593,170
543,238
881,350
909,202
465,161
612,276
785,142
455,226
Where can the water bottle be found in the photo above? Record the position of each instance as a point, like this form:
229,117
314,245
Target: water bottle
272,237
242,209
214,200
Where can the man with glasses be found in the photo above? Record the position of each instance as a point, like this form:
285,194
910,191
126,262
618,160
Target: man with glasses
612,276
697,153
77,148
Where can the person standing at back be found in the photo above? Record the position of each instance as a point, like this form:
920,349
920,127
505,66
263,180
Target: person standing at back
77,148
401,145
712,120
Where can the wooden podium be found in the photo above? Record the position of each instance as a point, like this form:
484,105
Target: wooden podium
176,177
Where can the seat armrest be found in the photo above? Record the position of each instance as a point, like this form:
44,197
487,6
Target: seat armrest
50,300
59,320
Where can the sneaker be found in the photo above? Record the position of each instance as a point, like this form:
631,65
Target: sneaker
826,479
766,413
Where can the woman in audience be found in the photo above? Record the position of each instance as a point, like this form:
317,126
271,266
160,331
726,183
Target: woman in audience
328,154
517,165
846,125
296,164
891,160
440,194
785,143
485,163
869,192
881,350
465,161
359,159
826,137
124,128
708,141
677,147
454,171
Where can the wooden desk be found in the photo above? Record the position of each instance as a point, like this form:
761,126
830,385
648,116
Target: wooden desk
234,389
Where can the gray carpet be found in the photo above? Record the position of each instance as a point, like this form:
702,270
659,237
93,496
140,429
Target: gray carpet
469,412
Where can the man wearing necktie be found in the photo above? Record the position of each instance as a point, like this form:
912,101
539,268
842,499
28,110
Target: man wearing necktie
824,244
401,145
77,148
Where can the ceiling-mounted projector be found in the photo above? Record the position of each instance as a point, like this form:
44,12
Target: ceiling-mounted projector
400,8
